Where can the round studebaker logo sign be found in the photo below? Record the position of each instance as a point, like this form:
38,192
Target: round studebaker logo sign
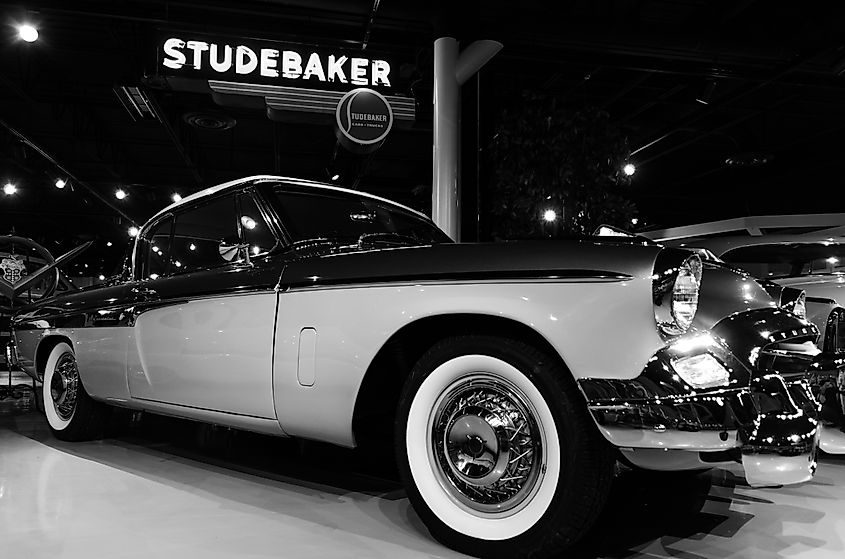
363,120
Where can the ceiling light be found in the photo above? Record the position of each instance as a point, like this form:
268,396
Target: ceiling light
108,244
10,189
120,194
248,222
133,231
61,183
101,277
629,169
176,197
28,33
335,176
550,215
833,260
634,221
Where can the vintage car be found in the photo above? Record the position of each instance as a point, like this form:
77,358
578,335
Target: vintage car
803,252
515,374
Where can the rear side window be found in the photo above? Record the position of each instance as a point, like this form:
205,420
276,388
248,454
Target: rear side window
205,236
335,215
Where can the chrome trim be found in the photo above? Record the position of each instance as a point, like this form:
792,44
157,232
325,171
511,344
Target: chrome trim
303,99
666,268
64,385
487,444
12,357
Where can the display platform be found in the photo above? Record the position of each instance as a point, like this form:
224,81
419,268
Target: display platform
171,488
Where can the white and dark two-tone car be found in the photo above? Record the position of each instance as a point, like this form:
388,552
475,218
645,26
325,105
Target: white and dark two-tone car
515,374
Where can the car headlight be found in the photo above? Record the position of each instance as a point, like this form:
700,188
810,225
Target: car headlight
676,284
701,371
799,306
788,298
685,292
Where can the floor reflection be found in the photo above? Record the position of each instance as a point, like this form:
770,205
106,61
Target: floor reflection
263,483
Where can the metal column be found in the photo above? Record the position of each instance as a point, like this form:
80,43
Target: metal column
451,70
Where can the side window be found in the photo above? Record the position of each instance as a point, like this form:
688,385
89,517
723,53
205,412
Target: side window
334,215
205,236
256,232
158,250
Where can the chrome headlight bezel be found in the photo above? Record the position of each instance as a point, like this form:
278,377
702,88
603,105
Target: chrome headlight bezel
796,303
676,287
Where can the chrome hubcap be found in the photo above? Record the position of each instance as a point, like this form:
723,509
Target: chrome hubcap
63,386
487,444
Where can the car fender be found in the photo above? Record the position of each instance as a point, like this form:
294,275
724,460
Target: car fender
326,338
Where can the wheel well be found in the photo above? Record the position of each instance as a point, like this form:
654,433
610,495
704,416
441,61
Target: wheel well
43,352
378,396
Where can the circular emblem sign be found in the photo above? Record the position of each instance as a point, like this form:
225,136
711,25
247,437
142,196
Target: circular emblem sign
363,120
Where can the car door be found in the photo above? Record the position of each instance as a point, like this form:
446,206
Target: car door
206,311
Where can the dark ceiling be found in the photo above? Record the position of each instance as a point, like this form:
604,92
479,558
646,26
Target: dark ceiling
775,108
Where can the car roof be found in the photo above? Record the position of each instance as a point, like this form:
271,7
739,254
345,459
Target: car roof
232,185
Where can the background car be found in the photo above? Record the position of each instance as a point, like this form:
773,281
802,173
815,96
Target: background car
512,375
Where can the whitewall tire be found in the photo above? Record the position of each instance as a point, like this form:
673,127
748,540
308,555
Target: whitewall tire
496,449
71,413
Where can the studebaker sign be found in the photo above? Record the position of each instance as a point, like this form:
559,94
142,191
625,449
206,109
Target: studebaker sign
270,62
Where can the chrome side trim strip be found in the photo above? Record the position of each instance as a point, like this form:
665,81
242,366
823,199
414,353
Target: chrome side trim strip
411,282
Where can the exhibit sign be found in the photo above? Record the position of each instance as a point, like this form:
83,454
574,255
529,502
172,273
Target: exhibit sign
363,120
272,63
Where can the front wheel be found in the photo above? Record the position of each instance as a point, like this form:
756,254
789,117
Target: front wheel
497,451
71,413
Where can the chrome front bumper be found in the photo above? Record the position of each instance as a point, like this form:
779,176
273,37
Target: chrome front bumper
768,422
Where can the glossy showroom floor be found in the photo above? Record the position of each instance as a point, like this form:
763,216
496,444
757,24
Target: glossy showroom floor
172,489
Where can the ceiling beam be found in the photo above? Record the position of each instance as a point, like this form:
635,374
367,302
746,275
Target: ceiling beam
76,180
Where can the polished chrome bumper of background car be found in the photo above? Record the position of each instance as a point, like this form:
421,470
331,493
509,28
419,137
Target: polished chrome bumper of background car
768,421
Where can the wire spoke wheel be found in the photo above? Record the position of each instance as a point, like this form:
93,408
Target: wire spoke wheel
496,449
71,413
487,443
63,386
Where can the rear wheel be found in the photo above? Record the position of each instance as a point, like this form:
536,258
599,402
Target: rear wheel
71,413
497,451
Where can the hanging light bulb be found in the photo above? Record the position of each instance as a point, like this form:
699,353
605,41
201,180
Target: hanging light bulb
133,231
176,197
629,169
10,189
61,183
120,194
28,33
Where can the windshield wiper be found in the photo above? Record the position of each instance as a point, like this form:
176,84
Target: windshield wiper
389,239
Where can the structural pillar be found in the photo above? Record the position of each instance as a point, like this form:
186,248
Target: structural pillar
445,193
451,70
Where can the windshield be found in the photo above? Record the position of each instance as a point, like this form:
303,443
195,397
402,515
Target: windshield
783,260
317,214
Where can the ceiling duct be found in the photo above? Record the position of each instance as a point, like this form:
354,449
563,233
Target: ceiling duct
136,103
